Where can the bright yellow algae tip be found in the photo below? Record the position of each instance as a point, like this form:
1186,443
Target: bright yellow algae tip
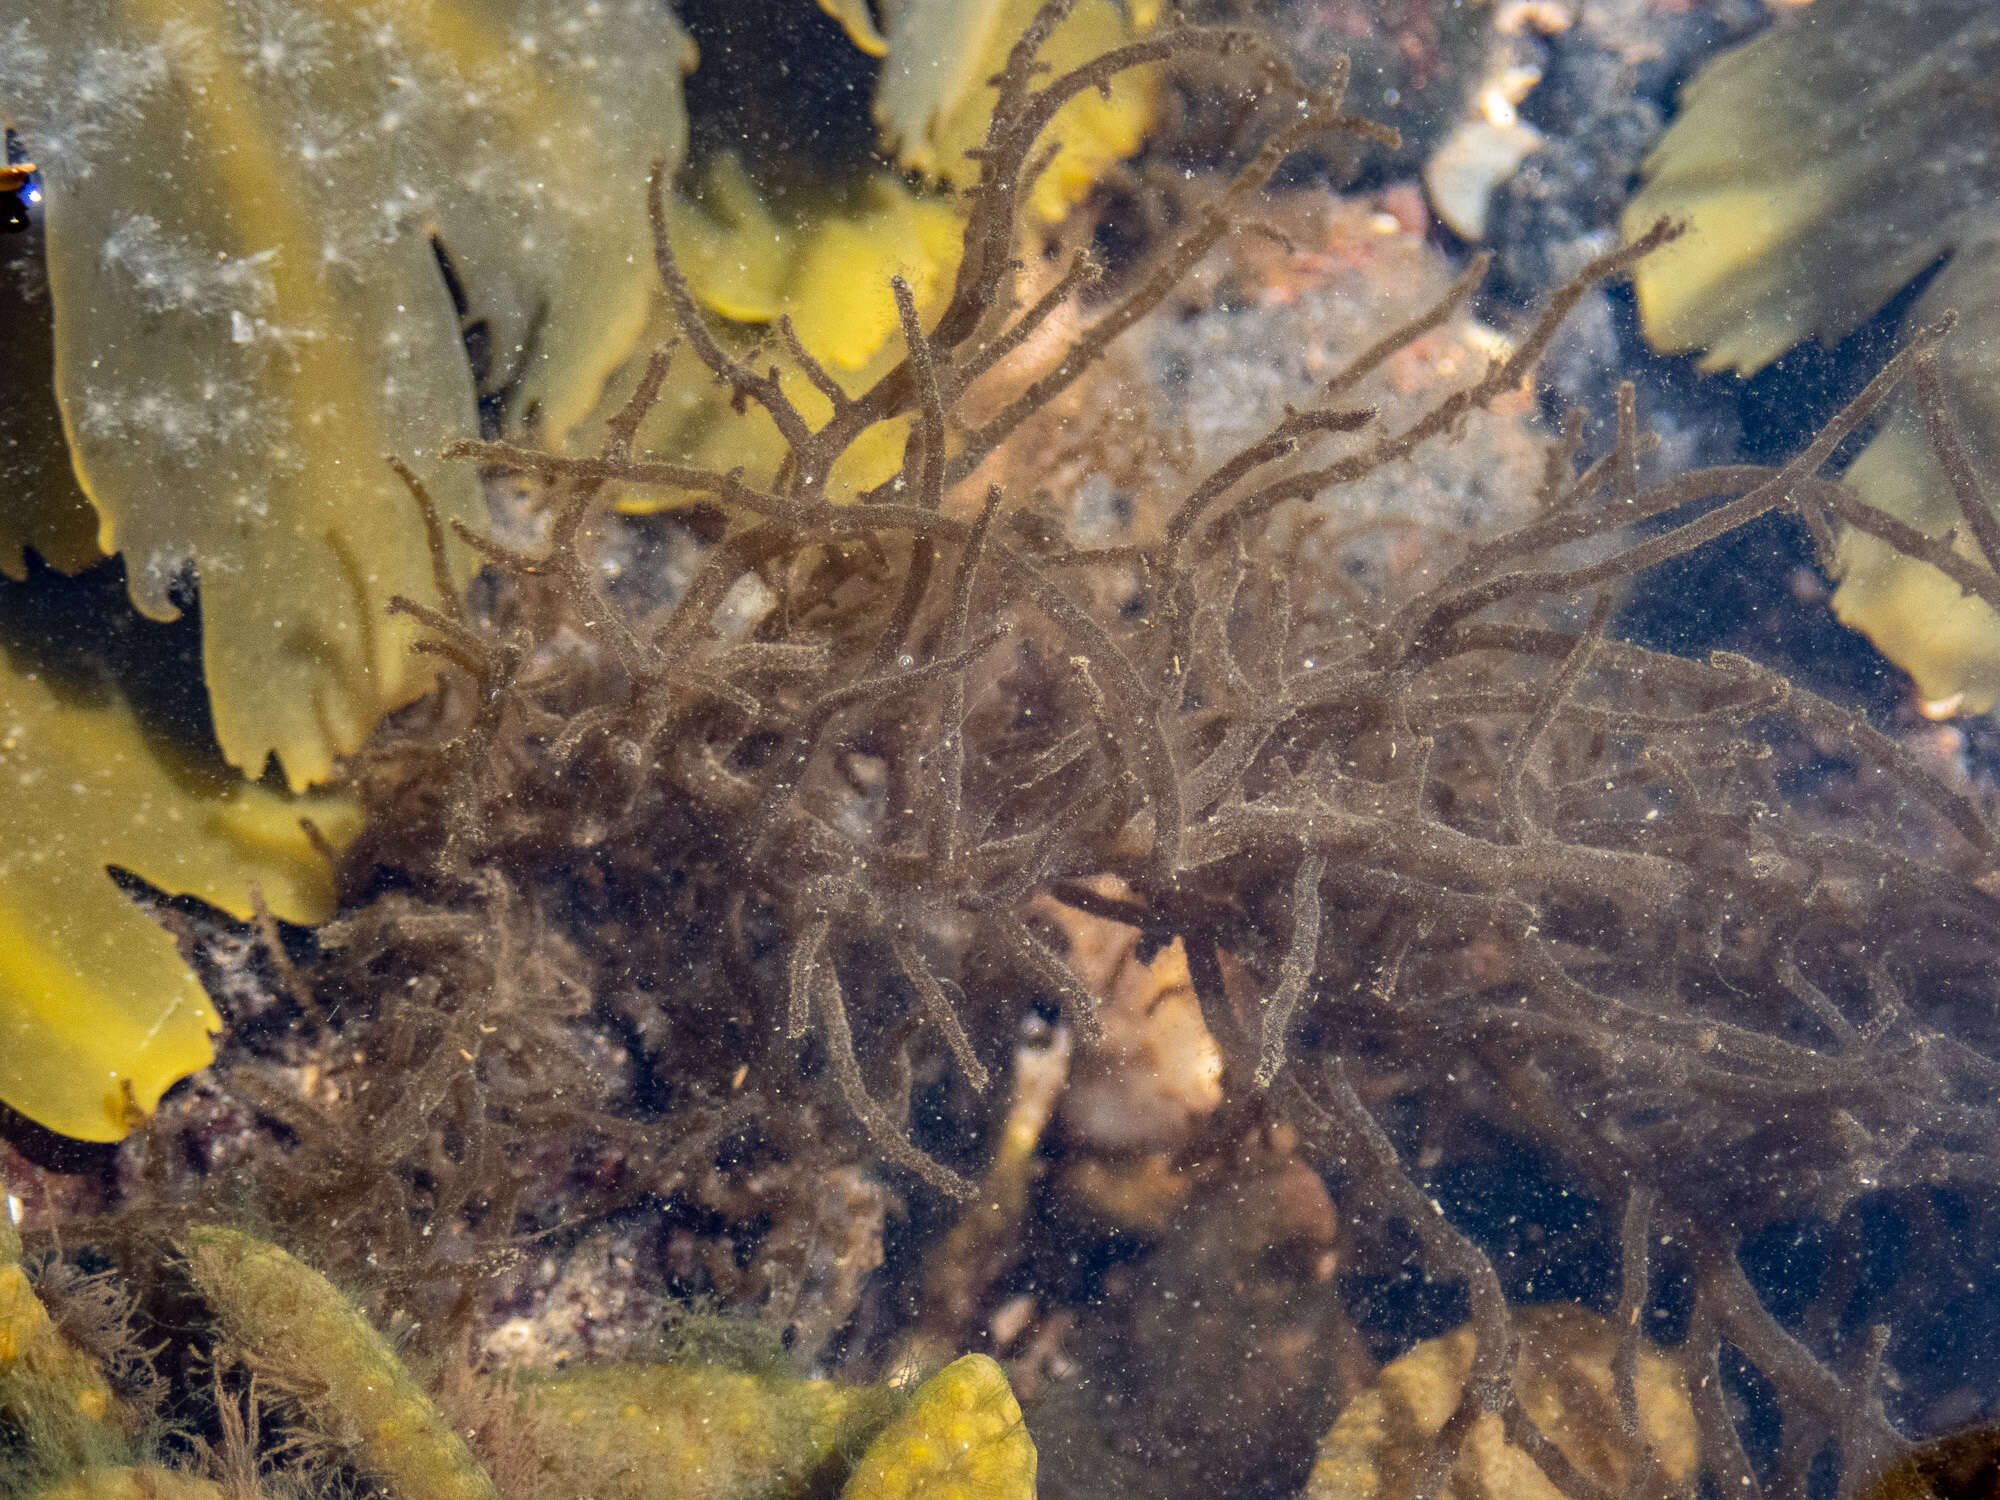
93,995
963,1438
935,98
50,1389
691,1432
858,24
1818,170
304,1335
249,313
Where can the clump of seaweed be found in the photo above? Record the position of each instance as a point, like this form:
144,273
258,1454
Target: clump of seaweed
758,870
1464,845
353,1414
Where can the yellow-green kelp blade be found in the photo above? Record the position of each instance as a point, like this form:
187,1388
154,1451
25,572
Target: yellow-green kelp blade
249,314
1818,170
935,96
963,1438
828,267
93,995
829,272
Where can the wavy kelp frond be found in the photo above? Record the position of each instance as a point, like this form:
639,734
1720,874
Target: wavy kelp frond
242,201
1819,169
98,1015
936,92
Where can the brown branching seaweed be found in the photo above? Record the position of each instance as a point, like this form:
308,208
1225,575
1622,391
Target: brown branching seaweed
866,735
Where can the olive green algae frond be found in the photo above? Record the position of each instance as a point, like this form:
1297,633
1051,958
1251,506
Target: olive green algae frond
1819,169
626,1432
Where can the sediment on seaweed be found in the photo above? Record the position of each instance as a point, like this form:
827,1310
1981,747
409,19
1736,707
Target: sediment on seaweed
782,839
1711,1009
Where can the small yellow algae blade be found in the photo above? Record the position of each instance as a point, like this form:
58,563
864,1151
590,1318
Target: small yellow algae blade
963,1438
934,99
1382,1444
858,24
830,276
93,995
249,313
838,294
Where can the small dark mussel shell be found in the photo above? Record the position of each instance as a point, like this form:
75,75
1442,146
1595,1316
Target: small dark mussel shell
1963,1466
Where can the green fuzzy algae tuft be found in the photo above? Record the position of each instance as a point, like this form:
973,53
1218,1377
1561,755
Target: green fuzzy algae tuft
629,1432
